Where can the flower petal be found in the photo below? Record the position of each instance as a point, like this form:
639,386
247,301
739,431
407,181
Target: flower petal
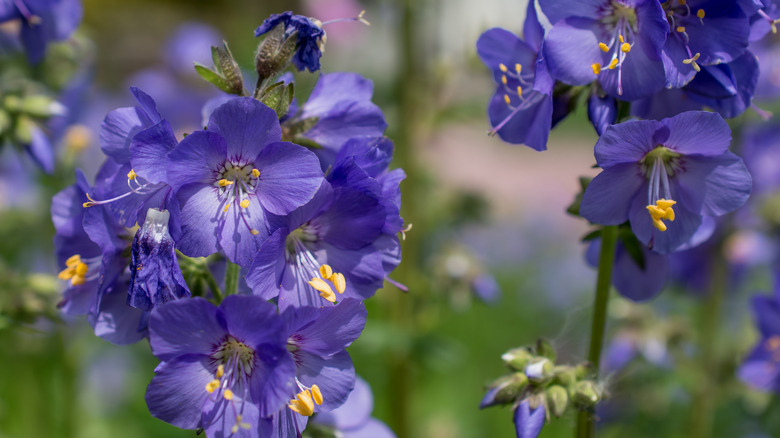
183,327
698,132
713,185
609,196
177,392
247,126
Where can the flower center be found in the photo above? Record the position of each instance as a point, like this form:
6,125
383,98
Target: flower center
659,164
621,23
236,361
680,17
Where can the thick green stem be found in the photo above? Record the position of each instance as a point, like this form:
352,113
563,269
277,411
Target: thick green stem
585,419
703,405
212,283
232,271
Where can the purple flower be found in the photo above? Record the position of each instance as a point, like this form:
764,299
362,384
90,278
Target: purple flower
223,369
705,32
353,418
341,105
761,369
651,166
521,109
43,21
330,239
95,265
155,276
617,42
311,37
229,177
316,341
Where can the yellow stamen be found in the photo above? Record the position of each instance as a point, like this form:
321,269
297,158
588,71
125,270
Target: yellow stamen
682,2
90,203
326,271
73,260
658,224
78,280
700,13
220,371
680,29
503,68
596,68
227,394
132,175
620,37
507,100
302,404
245,203
255,173
503,79
603,47
665,203
613,64
325,291
254,232
519,91
316,394
212,386
625,48
223,182
340,282
655,212
518,68
227,206
81,269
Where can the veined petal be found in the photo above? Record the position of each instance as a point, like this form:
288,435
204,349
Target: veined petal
247,126
610,194
556,10
571,47
149,150
189,326
498,46
334,375
197,158
334,329
201,213
177,392
253,320
333,87
626,142
698,132
714,185
529,126
265,274
289,177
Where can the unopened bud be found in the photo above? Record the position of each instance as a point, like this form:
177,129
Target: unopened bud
517,358
41,106
557,399
586,394
565,375
504,390
539,370
275,51
229,68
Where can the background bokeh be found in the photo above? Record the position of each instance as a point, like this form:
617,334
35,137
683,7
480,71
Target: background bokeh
477,205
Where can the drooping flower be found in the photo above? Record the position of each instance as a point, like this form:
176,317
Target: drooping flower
616,42
224,369
521,109
155,276
229,177
529,420
311,37
43,21
675,170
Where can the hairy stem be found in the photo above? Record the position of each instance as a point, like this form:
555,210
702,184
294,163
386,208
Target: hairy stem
232,271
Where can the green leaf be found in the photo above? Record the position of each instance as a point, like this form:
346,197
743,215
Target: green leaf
212,77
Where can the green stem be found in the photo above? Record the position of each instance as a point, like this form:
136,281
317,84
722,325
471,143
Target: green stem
212,282
232,271
585,419
703,404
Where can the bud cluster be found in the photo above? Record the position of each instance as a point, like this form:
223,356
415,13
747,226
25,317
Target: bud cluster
537,381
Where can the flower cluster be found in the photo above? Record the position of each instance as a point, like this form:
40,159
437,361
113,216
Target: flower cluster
299,203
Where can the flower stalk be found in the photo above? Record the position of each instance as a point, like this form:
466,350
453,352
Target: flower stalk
585,419
232,271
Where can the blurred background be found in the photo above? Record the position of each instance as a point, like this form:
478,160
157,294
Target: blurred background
492,261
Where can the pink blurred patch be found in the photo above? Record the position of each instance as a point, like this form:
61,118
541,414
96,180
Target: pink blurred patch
346,33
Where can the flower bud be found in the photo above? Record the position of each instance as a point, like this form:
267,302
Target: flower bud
539,370
545,349
517,358
586,394
275,52
557,399
504,390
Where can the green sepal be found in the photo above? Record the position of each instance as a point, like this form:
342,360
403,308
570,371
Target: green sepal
212,77
278,97
24,129
585,394
517,358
